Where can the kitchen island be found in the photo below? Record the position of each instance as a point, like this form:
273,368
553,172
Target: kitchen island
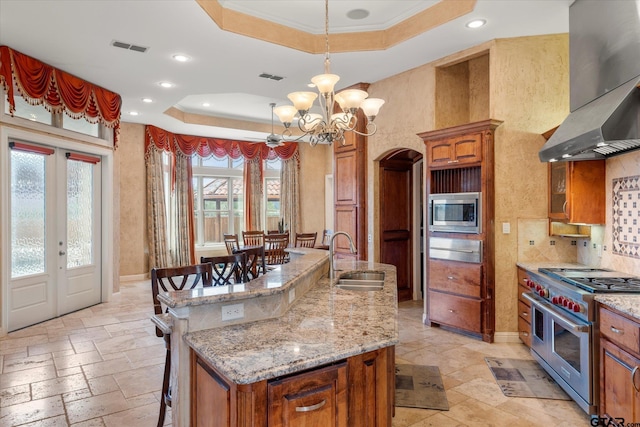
302,348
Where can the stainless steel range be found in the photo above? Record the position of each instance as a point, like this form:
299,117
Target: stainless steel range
564,328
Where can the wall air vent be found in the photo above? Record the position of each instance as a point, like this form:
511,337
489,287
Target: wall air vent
270,76
129,46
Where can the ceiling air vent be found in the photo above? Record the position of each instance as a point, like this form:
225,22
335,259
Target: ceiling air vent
129,46
270,76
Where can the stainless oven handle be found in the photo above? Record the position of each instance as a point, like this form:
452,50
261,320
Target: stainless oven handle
466,251
557,313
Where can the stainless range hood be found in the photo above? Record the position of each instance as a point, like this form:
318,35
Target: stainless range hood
604,51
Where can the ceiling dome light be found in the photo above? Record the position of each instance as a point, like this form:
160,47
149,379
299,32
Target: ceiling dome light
357,14
147,100
166,84
181,58
476,23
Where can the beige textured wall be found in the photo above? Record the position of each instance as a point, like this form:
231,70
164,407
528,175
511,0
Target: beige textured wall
529,92
133,242
134,253
528,80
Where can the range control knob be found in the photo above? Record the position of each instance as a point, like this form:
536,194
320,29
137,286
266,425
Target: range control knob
577,308
570,305
555,300
531,284
544,293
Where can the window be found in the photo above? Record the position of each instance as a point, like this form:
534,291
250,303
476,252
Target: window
218,200
272,193
218,197
39,114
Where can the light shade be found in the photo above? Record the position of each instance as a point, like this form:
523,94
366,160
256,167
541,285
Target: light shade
302,100
285,113
371,106
325,82
351,98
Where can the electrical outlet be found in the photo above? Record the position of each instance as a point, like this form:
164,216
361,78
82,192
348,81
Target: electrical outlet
292,295
232,311
370,238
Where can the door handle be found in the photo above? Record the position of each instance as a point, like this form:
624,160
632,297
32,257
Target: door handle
62,253
633,379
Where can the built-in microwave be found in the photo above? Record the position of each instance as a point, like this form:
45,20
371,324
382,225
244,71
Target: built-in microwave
456,212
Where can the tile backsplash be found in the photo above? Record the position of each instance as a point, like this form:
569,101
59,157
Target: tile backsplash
535,244
626,216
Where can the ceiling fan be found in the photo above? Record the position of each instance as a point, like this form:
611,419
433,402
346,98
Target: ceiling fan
272,139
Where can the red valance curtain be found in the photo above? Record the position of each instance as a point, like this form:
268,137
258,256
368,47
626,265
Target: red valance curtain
188,145
58,91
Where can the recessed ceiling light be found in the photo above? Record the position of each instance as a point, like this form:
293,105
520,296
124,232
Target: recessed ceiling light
206,104
133,113
357,14
166,84
147,100
181,58
476,23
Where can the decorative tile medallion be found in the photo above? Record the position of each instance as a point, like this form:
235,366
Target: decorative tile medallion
626,216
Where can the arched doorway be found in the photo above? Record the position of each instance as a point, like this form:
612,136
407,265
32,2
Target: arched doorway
400,179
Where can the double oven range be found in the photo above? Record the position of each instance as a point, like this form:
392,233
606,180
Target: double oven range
564,335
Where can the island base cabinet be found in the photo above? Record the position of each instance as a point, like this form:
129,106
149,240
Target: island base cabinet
356,392
312,399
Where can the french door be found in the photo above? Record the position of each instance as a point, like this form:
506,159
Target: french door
55,232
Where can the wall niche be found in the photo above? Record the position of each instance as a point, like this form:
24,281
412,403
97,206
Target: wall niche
462,92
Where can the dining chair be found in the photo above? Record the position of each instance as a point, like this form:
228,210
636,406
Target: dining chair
255,261
174,279
306,240
253,238
326,236
231,242
274,248
227,269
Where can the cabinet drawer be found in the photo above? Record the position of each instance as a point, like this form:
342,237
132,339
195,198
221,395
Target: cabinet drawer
455,277
522,274
457,311
620,330
522,289
524,331
524,311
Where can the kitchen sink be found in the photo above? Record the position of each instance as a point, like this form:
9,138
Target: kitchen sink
361,281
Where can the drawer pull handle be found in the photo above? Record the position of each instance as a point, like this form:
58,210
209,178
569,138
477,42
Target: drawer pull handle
453,161
617,331
451,311
311,408
450,277
525,314
526,334
633,379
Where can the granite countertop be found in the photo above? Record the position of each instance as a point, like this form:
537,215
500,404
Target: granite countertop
276,281
327,324
625,303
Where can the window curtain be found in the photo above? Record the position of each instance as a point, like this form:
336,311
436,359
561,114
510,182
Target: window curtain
182,243
290,194
58,91
156,210
253,194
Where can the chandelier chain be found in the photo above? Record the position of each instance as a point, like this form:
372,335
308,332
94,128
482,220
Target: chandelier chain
326,35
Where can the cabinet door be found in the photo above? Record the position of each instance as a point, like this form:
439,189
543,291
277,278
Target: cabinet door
372,388
558,191
459,312
449,152
313,399
455,277
619,383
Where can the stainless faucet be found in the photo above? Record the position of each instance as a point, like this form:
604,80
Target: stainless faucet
332,272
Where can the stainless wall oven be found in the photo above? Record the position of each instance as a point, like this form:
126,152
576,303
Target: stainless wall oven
455,212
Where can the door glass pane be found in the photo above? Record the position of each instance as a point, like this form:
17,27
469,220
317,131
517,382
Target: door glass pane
79,213
567,346
27,213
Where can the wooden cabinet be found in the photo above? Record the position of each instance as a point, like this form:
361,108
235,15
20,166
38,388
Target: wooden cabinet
350,189
577,192
524,310
465,149
619,366
455,294
461,295
356,392
315,398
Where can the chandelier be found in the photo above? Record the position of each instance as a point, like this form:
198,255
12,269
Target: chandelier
328,127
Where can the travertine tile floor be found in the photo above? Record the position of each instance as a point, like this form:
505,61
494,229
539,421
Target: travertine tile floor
103,366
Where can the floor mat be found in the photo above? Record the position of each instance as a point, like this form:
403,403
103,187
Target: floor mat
524,378
420,387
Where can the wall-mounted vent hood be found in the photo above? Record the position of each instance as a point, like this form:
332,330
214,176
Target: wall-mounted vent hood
604,51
